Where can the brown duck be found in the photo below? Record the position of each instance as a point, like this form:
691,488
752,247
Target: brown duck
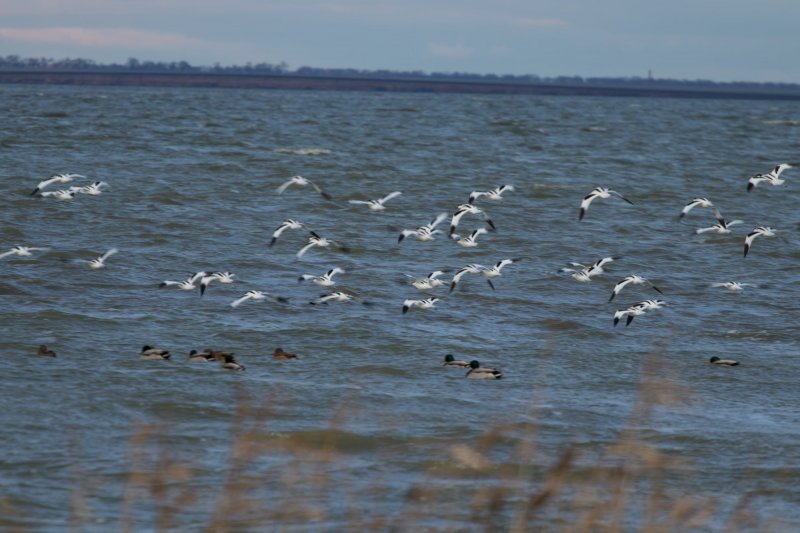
45,352
282,355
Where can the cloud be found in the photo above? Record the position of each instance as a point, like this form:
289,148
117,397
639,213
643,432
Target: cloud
528,22
157,8
100,37
450,51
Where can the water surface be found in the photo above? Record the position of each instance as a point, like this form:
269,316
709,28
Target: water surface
192,177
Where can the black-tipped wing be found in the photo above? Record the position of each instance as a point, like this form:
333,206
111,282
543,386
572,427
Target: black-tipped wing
620,196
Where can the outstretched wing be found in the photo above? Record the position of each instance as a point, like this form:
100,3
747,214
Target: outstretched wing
618,195
108,254
283,186
304,249
585,204
320,191
389,196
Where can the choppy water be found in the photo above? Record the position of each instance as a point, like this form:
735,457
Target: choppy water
192,177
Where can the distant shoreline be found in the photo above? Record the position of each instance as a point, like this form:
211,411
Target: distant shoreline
320,83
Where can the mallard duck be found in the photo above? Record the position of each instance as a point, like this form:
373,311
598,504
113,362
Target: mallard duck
230,363
722,362
203,356
218,355
476,372
282,355
449,360
45,352
150,353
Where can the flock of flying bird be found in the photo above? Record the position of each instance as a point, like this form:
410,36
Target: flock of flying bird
203,279
93,189
427,232
722,227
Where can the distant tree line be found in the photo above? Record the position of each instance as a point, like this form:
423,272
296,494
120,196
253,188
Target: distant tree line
15,62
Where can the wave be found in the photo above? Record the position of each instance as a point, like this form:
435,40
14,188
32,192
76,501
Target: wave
303,151
782,122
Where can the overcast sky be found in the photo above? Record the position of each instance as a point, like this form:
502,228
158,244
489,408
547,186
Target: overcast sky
722,40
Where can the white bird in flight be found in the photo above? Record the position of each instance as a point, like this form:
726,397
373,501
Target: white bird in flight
207,277
224,277
652,304
598,192
761,230
722,227
325,280
189,283
494,194
338,296
286,224
431,281
731,285
22,251
697,202
772,177
251,295
470,209
302,182
637,310
494,271
58,178
425,303
586,273
257,296
469,241
426,232
472,268
100,262
61,194
634,280
630,312
186,285
93,189
377,205
322,242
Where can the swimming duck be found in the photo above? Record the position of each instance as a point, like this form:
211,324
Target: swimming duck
449,360
45,352
230,363
722,362
282,355
150,353
218,355
205,355
476,372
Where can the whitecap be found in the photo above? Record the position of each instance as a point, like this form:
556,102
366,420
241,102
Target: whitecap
782,122
303,151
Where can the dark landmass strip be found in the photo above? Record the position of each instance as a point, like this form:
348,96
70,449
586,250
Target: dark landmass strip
342,83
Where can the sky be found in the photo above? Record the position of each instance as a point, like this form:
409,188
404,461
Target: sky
720,40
